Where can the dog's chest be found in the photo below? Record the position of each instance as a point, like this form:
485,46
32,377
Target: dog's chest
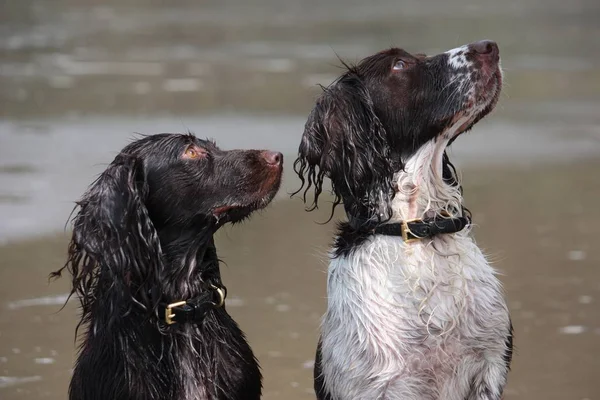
401,318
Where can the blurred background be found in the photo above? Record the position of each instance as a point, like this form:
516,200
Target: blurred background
79,77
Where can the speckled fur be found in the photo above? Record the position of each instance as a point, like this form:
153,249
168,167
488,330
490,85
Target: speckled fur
417,321
425,320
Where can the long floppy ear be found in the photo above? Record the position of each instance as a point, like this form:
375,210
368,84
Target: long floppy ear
114,253
345,140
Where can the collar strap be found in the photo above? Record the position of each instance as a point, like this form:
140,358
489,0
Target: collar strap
417,229
195,309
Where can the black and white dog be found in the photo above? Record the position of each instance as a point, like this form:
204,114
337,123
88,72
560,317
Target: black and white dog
144,264
415,311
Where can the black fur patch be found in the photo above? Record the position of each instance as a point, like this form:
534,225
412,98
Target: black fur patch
143,236
319,380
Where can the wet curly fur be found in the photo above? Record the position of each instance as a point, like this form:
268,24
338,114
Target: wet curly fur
142,237
405,321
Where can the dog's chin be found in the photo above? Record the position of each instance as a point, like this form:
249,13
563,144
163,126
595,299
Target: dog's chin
240,210
483,102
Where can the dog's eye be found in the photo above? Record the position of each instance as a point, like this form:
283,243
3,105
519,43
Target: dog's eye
400,65
192,152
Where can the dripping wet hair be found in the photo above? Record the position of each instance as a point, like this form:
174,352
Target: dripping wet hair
366,124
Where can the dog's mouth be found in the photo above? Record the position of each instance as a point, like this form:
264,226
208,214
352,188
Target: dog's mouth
482,87
241,208
481,99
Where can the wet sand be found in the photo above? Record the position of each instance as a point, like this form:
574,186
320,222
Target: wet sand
538,224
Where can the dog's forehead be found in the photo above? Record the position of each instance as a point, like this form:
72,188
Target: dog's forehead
208,144
160,144
183,140
396,51
383,58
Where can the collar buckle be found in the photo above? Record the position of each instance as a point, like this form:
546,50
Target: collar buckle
409,236
196,308
170,313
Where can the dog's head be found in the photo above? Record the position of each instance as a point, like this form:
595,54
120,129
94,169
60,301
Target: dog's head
378,113
142,225
191,180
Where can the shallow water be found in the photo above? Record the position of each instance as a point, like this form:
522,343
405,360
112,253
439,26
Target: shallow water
47,164
147,57
78,79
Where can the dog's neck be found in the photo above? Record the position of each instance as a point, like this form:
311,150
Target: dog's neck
422,188
190,260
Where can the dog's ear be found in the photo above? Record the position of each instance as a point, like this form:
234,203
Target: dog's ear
345,140
114,251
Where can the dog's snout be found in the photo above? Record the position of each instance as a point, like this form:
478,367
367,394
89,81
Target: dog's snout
273,157
485,47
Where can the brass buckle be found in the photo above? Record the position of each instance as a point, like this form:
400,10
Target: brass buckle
222,295
405,230
168,315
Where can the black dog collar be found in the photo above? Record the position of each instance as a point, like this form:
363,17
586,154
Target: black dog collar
195,309
417,229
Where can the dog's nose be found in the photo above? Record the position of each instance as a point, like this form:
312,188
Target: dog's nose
273,157
485,47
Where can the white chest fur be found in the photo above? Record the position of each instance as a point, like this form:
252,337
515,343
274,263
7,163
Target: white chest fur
419,321
409,322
